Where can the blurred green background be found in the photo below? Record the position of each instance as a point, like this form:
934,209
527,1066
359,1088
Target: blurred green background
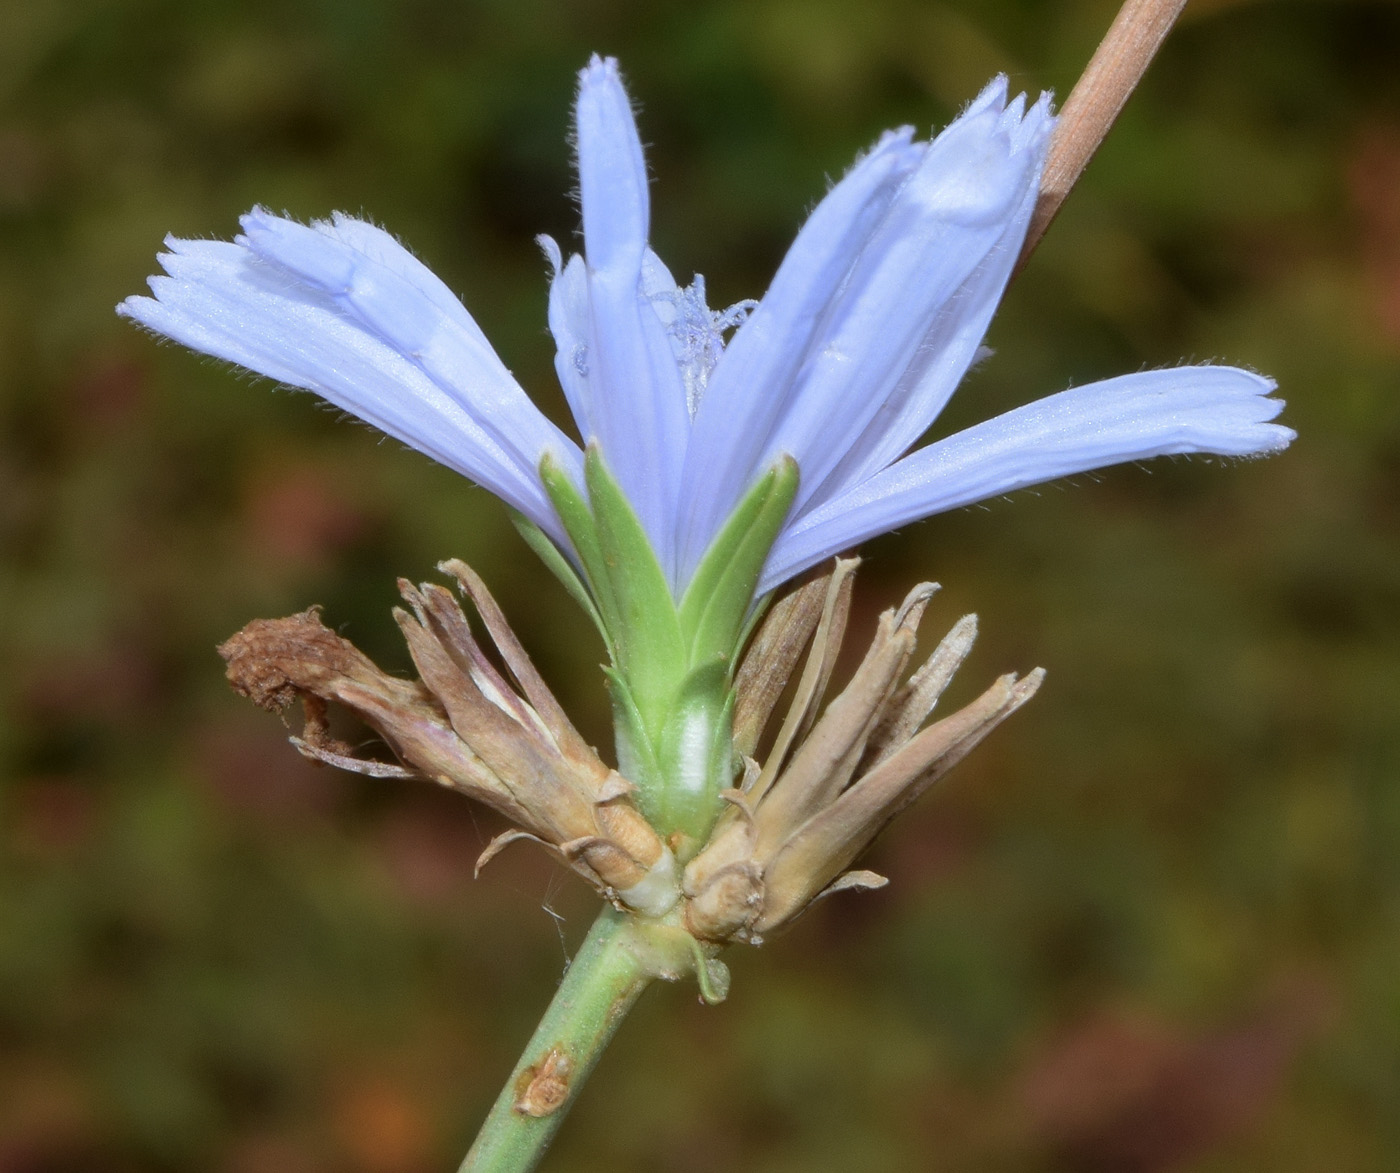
1153,924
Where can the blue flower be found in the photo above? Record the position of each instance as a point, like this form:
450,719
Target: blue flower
872,320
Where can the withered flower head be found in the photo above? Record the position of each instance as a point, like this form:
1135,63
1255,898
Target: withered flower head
828,786
506,743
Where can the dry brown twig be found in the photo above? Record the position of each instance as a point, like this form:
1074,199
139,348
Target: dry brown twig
1095,103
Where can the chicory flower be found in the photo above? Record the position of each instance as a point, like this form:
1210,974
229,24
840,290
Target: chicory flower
722,452
873,318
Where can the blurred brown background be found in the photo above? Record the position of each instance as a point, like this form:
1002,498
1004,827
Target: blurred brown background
1153,924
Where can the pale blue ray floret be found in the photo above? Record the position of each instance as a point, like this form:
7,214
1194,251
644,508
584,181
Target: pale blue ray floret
788,444
871,321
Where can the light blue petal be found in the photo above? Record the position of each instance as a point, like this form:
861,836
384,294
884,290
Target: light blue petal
412,312
750,390
570,317
1221,410
971,191
950,345
612,171
569,322
222,299
659,287
633,398
384,248
865,374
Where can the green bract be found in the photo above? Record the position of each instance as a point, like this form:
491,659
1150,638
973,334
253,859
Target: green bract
672,661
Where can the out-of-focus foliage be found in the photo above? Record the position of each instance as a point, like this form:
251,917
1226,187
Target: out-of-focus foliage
1153,924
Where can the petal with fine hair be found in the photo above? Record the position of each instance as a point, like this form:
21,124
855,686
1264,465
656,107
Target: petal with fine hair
631,391
410,310
750,388
569,318
870,323
867,368
383,248
949,345
222,299
971,191
1220,410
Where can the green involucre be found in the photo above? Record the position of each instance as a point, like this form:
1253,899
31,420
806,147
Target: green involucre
672,663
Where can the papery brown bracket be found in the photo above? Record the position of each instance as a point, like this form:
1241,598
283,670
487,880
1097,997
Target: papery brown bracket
345,761
500,842
910,707
776,648
822,765
831,782
817,852
499,737
816,673
273,662
521,667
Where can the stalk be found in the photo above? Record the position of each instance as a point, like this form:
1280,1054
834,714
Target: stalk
1095,103
617,961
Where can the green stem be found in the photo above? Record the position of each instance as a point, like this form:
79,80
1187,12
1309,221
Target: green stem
617,961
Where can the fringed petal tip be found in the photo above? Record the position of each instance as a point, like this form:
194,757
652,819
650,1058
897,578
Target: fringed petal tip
308,252
992,96
136,307
1274,439
1213,410
552,253
599,69
899,141
1243,430
1023,129
1032,132
611,169
601,96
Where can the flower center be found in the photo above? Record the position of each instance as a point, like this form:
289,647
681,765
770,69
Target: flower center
697,333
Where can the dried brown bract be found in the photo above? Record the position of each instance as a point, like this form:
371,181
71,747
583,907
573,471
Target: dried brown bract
829,785
500,738
832,779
